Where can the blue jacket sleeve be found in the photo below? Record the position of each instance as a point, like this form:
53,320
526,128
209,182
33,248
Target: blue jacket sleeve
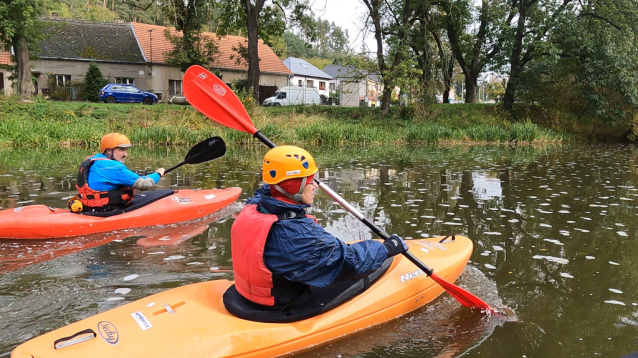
110,174
302,251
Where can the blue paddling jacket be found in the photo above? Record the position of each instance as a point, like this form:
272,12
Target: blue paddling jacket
302,251
109,174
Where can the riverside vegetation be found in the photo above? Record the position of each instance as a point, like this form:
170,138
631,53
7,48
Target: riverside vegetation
71,124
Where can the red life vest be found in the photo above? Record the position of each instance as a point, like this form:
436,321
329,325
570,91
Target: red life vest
95,199
253,280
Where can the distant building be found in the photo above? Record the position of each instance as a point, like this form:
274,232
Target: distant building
305,75
355,87
5,83
131,53
273,72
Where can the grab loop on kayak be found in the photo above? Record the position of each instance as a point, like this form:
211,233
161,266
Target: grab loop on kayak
82,336
445,238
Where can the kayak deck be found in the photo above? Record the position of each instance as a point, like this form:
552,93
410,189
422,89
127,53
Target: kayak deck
191,321
42,222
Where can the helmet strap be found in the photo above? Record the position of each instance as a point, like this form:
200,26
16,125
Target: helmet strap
296,197
110,155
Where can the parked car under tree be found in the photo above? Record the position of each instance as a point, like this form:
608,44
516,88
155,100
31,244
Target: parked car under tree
117,92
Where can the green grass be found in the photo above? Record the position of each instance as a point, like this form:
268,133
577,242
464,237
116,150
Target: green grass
74,124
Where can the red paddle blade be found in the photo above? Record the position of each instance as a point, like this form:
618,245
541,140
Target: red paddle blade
465,298
209,95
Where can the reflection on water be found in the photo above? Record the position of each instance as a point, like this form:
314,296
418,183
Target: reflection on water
553,229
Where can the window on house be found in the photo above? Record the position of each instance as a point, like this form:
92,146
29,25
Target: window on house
322,85
332,86
300,83
61,80
124,80
310,83
174,87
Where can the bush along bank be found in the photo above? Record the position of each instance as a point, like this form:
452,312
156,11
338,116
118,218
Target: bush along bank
74,124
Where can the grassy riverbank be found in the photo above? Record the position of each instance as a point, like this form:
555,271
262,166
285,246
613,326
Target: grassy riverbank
73,124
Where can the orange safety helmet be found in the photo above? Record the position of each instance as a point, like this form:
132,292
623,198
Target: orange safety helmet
114,140
287,162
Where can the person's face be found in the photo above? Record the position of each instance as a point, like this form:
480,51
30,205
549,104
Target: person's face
120,154
308,193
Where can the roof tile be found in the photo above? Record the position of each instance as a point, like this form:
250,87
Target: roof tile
89,40
5,58
269,62
301,67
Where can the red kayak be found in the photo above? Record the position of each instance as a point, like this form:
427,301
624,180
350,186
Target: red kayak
159,207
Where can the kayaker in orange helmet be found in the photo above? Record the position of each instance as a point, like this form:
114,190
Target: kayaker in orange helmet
279,252
104,183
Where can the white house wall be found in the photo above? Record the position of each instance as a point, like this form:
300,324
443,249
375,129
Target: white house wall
77,70
294,81
350,93
7,84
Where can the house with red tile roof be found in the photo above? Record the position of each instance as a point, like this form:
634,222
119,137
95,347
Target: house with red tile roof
5,62
134,53
231,66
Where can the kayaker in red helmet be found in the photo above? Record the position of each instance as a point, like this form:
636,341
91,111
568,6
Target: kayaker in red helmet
279,251
104,183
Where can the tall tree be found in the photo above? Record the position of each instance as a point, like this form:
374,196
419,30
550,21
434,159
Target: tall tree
476,36
19,29
192,47
586,65
391,23
260,19
536,19
82,10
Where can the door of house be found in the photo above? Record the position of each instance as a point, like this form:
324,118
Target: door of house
1,82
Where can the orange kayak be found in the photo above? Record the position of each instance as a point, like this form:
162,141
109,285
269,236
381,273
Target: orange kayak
192,321
159,207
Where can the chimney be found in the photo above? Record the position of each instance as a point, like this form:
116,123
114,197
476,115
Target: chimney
119,20
55,14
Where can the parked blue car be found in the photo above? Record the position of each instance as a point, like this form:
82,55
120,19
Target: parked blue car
117,92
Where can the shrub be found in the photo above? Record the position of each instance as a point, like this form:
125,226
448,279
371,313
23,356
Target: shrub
93,82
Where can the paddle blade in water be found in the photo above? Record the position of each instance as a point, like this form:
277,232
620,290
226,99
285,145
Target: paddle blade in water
209,95
465,298
209,149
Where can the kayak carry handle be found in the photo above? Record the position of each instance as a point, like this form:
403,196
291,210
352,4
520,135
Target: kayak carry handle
86,335
445,238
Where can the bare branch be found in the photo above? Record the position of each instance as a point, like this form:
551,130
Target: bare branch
601,18
143,8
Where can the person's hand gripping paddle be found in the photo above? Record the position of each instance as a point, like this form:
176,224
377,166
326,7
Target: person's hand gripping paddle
209,95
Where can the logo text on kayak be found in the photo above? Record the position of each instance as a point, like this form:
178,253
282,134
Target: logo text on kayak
410,275
141,320
108,332
182,200
429,245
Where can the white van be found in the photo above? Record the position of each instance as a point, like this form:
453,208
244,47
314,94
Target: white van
291,95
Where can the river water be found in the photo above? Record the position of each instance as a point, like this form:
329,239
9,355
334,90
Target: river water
554,230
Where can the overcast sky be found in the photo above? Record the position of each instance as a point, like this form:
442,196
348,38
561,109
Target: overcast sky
347,14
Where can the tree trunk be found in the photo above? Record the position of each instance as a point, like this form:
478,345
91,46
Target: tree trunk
447,80
23,67
515,61
252,13
471,85
386,98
